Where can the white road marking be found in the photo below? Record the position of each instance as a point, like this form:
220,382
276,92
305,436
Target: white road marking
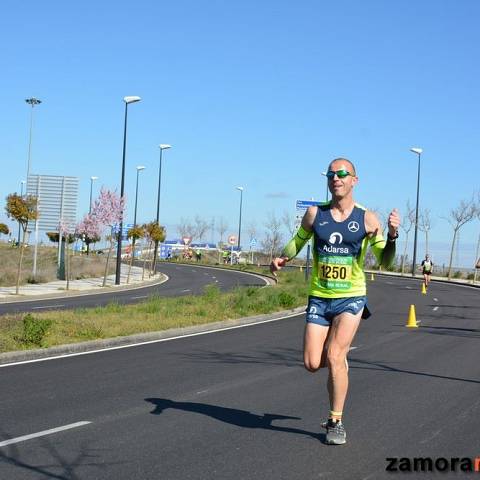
409,288
48,306
213,276
43,433
435,299
435,309
187,290
159,340
140,296
353,348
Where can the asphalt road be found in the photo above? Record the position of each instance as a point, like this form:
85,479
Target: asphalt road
238,404
183,280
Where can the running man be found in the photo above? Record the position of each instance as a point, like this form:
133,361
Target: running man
341,231
427,269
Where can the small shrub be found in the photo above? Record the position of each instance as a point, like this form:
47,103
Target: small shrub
457,274
211,292
35,329
470,276
286,300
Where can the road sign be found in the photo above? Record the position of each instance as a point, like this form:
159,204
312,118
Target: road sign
186,240
232,239
253,242
301,208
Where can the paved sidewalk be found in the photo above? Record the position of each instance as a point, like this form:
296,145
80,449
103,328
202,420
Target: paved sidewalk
91,285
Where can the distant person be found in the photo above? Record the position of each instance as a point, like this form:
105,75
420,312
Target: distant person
427,269
341,231
198,255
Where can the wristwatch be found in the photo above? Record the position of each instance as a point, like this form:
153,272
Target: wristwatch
390,238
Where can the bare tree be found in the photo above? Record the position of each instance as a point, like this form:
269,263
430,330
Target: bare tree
251,231
273,237
289,221
425,225
408,221
185,228
200,228
464,213
222,228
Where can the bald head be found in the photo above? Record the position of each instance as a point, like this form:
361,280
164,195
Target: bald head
345,161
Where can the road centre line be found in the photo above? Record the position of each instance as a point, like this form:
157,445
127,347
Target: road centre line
435,309
435,299
140,296
148,342
47,306
186,290
42,433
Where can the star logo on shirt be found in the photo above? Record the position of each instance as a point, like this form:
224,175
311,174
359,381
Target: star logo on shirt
353,226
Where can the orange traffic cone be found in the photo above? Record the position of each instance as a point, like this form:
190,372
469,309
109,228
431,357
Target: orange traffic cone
424,290
412,319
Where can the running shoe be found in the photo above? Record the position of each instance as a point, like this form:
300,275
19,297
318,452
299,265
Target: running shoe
335,433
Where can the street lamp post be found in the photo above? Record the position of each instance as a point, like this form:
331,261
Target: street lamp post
92,179
139,169
418,152
240,217
127,101
162,147
31,101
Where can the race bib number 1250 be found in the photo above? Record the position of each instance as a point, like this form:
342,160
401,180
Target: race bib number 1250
335,272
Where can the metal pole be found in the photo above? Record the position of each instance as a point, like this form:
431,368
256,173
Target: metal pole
416,220
122,188
476,260
240,220
91,188
136,198
159,184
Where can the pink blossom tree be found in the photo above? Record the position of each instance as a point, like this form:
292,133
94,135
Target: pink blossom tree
89,230
108,212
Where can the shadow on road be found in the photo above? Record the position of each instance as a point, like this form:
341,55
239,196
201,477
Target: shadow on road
55,465
387,368
232,416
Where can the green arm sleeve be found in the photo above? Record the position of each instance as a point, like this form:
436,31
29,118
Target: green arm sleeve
293,247
384,251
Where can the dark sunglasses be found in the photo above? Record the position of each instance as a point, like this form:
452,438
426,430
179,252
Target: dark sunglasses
339,173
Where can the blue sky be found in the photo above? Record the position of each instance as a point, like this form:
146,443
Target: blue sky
260,94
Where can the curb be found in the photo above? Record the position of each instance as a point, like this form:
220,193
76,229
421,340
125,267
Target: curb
462,283
272,280
93,346
76,293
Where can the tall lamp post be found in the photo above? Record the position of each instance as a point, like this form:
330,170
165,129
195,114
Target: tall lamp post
162,147
31,101
418,152
240,217
92,179
139,169
127,101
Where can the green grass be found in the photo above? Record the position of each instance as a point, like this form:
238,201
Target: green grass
155,314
